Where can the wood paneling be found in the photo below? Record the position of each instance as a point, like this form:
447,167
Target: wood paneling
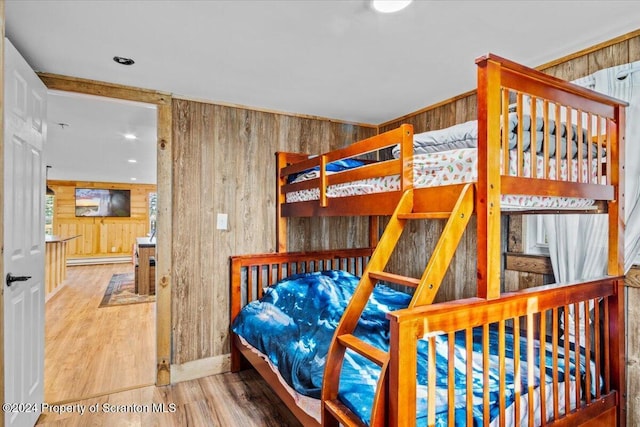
99,237
528,263
224,162
570,70
164,234
55,266
634,49
110,90
633,277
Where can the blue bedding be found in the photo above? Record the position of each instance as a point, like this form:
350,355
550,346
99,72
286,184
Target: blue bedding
335,166
293,324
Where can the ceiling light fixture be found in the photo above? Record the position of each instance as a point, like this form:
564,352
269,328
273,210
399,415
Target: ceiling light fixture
130,136
134,179
123,61
389,6
132,161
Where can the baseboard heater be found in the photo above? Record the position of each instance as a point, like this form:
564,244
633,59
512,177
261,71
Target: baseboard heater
104,260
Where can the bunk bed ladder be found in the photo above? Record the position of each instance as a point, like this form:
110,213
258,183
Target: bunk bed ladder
334,412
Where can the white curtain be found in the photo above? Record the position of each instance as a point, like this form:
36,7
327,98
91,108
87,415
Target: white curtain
578,243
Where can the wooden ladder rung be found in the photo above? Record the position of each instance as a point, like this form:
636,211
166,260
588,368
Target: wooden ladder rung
364,349
425,215
394,278
343,414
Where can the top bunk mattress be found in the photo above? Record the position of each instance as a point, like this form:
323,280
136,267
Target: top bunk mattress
456,167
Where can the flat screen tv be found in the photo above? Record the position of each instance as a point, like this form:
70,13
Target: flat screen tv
103,202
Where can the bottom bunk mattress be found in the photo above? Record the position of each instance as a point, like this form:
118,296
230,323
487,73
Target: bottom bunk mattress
293,324
456,167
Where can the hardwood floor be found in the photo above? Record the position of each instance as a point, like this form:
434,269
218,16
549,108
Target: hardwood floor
241,400
89,350
100,363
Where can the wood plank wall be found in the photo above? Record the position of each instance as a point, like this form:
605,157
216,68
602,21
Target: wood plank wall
100,237
224,162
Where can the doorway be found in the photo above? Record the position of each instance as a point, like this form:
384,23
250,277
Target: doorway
163,102
99,149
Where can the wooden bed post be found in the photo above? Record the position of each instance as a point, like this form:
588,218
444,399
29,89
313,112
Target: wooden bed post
616,210
281,222
617,215
617,349
406,156
402,371
374,230
488,194
236,306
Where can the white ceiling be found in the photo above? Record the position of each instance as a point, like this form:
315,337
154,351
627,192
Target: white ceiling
329,58
86,139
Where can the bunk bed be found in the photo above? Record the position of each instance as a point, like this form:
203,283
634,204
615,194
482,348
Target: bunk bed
495,359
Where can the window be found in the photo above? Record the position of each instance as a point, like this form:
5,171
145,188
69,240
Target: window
535,236
48,215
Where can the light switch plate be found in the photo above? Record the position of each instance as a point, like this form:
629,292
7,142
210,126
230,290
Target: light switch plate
222,222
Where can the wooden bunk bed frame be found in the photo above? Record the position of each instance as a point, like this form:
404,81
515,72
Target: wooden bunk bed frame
532,314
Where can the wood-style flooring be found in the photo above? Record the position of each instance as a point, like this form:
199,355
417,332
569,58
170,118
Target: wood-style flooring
99,369
242,400
89,350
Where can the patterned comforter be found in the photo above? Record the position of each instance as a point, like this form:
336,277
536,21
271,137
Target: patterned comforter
293,324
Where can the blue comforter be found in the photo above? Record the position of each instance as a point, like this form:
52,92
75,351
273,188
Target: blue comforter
293,325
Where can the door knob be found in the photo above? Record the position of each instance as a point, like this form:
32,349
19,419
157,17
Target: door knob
11,278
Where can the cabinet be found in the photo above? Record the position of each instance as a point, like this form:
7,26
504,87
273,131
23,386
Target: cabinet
145,266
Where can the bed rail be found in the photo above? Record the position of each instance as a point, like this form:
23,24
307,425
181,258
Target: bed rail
536,316
593,132
576,131
250,274
369,150
537,136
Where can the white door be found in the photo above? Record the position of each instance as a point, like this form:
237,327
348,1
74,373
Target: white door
24,246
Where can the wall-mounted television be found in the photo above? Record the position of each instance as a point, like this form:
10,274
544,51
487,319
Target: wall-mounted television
103,202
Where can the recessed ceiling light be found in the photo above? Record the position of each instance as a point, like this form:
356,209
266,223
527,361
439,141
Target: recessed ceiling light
133,179
389,6
123,61
130,136
132,161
